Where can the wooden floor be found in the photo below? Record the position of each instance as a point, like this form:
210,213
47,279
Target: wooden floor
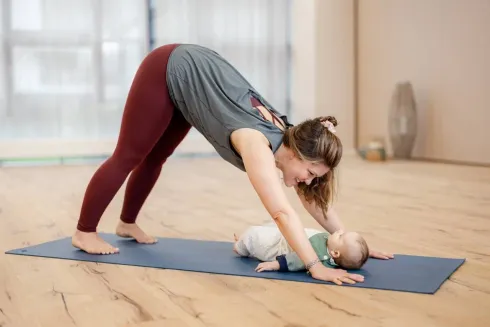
411,208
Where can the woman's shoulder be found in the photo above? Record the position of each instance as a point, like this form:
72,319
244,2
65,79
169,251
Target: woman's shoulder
247,137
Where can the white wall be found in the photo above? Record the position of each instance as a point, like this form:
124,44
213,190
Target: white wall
323,63
335,83
443,48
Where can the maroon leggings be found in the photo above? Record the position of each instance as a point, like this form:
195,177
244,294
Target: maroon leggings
151,129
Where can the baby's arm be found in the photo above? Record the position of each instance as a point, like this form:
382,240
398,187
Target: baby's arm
290,262
285,262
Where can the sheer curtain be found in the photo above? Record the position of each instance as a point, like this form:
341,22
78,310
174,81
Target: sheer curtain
254,35
66,67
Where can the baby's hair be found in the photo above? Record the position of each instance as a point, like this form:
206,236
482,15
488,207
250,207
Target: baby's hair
355,261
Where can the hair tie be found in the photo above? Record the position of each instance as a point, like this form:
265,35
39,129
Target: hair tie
329,126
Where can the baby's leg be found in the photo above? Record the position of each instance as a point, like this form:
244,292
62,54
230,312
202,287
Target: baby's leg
239,247
261,242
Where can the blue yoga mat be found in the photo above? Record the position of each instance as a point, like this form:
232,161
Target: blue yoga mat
417,274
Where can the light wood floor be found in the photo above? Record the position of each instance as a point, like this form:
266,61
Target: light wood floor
412,208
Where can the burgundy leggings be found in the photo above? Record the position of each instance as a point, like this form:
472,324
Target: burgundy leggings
151,129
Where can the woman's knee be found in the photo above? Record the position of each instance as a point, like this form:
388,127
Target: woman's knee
127,160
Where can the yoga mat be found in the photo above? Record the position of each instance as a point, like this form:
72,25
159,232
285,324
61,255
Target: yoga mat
417,274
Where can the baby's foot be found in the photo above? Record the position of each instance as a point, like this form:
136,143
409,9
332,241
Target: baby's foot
234,245
133,231
92,243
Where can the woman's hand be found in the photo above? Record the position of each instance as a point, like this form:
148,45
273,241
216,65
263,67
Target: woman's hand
380,255
337,276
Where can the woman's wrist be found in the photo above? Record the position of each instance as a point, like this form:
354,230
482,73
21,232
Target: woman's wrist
312,263
317,269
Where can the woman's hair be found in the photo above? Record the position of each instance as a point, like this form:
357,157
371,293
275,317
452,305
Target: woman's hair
312,141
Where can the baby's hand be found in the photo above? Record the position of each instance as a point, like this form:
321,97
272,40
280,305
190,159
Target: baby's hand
267,266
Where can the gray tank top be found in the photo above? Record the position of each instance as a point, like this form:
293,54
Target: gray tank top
216,99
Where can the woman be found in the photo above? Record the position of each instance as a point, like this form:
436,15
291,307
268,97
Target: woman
181,86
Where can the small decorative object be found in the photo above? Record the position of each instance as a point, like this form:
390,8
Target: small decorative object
373,151
403,120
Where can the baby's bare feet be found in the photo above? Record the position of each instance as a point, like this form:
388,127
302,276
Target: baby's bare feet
92,243
234,245
133,231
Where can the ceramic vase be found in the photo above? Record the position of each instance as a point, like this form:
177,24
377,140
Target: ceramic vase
403,120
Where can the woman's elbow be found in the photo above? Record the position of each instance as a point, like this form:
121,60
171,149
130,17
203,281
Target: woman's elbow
282,217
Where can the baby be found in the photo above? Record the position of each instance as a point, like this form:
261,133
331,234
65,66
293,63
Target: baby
347,250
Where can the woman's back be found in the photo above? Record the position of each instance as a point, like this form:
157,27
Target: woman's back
216,99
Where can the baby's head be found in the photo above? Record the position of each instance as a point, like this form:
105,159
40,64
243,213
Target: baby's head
348,249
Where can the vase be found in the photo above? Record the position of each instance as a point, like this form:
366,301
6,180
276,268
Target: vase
403,120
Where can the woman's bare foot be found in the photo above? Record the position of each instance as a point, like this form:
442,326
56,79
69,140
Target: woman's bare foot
133,231
92,243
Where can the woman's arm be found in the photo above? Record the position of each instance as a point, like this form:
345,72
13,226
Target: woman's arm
261,169
331,224
259,163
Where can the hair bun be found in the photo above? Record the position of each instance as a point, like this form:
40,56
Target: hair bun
331,119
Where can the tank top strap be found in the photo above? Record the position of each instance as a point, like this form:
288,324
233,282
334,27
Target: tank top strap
254,98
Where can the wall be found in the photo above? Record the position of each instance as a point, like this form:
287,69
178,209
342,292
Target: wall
335,65
323,63
303,60
443,48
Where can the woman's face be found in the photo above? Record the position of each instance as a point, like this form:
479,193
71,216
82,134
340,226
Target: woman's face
296,171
